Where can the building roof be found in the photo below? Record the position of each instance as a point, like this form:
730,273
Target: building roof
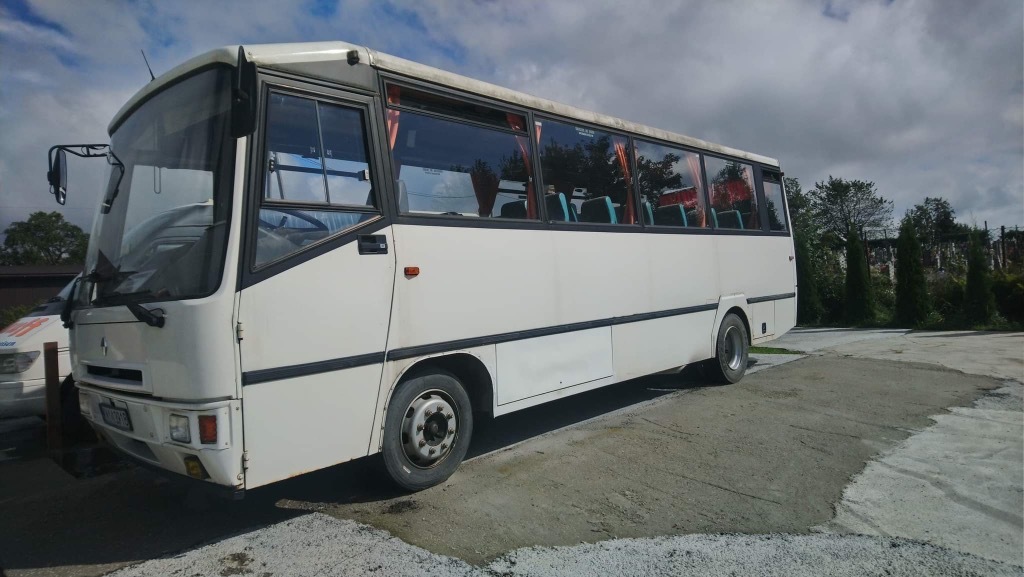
290,56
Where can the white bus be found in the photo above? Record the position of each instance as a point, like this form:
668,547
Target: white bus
311,253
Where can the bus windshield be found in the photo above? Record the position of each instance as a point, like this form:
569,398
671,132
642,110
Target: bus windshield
162,228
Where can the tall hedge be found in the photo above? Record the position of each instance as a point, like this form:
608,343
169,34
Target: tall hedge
860,307
979,302
808,305
912,304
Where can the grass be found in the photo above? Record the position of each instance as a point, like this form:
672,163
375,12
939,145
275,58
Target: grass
773,351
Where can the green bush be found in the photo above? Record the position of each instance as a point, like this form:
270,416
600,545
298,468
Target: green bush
860,306
1008,290
911,303
884,292
947,294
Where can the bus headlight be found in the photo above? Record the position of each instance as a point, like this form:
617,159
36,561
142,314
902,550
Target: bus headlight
179,429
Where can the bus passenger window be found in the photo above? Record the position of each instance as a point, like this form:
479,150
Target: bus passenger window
733,197
587,169
671,190
476,166
773,201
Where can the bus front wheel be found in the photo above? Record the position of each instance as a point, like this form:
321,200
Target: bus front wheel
427,429
731,351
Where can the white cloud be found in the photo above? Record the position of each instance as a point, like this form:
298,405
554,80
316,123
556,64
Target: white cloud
924,98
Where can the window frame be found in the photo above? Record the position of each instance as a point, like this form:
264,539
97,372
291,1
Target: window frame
755,174
703,188
416,218
759,178
256,154
539,168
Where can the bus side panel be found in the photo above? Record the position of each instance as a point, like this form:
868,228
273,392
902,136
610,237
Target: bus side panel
660,344
756,267
307,423
473,282
533,367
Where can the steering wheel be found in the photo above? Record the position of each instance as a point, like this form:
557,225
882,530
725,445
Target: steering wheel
317,223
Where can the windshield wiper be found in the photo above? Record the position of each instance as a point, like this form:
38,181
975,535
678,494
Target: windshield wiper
153,318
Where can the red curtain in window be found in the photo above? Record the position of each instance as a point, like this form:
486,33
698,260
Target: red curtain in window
485,187
628,210
693,162
394,96
517,122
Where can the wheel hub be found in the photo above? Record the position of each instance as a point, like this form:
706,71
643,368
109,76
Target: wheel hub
733,348
428,429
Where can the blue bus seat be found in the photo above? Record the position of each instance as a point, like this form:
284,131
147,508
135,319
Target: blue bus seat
514,209
557,211
598,210
671,215
730,219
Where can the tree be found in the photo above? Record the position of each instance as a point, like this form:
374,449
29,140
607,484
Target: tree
799,205
979,302
839,205
912,304
45,238
935,221
808,303
860,306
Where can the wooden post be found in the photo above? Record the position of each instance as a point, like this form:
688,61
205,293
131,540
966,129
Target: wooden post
54,434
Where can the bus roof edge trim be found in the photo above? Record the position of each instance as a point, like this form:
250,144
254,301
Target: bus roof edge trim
281,55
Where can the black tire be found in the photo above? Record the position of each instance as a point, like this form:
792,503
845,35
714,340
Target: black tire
414,432
732,349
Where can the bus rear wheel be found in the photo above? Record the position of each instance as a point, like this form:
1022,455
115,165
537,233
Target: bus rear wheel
732,350
427,429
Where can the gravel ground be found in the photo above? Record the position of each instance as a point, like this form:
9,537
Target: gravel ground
320,545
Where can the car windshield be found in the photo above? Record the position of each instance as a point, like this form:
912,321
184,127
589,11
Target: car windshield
162,227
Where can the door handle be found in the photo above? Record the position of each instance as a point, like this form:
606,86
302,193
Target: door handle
372,244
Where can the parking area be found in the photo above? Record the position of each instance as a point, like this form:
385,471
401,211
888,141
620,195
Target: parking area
884,433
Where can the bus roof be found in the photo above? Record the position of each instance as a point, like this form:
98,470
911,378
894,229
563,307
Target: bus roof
290,57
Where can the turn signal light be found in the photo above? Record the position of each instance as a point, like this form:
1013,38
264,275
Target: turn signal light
412,271
208,429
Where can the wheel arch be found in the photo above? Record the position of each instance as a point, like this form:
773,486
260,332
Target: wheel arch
732,304
467,367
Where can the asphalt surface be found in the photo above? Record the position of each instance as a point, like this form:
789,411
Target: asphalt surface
660,459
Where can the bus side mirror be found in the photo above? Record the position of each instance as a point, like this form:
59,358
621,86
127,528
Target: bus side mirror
243,97
58,176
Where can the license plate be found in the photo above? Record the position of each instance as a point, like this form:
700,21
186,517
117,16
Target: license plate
116,417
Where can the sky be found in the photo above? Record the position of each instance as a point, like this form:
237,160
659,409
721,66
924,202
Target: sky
924,98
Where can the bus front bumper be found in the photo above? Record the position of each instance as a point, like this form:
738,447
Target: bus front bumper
141,428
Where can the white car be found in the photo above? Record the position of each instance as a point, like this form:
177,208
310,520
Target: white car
22,371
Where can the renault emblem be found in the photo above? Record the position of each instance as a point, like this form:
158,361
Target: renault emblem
103,345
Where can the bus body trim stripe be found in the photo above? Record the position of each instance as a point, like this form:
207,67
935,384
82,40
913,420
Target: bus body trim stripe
771,298
420,350
314,368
